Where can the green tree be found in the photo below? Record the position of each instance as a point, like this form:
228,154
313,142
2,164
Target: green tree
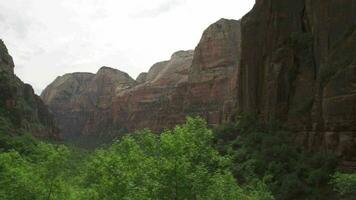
269,152
179,164
17,179
345,185
37,174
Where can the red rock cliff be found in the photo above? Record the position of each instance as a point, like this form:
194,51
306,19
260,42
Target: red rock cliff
288,60
298,65
191,83
81,102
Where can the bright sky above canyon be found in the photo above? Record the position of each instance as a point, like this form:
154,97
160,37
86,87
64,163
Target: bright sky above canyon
48,38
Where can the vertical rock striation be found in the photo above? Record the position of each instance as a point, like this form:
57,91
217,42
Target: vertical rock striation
298,66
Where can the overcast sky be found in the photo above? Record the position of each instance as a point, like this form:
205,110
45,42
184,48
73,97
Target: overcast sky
48,38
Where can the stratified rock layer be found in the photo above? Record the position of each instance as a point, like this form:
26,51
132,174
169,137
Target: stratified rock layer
200,82
190,83
158,102
20,109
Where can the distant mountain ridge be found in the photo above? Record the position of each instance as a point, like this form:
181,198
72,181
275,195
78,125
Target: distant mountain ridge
190,83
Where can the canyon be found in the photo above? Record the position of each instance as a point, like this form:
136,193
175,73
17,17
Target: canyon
288,61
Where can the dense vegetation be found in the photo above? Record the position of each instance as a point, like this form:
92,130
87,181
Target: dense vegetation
246,160
269,152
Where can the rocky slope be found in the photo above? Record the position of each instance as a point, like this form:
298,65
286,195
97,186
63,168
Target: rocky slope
20,109
81,102
298,66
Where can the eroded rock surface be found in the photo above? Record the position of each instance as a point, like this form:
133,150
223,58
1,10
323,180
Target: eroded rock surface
81,102
199,82
298,67
292,61
158,102
20,108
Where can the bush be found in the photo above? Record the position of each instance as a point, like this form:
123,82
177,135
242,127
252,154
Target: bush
179,164
345,185
38,175
269,152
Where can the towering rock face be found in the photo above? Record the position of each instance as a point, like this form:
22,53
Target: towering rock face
20,108
212,80
298,65
81,102
190,83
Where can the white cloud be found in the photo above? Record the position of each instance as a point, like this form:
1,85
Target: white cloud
162,7
48,38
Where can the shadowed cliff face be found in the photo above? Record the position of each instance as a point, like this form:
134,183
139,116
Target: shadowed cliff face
81,102
20,108
298,67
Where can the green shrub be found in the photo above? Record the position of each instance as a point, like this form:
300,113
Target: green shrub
269,152
345,185
179,164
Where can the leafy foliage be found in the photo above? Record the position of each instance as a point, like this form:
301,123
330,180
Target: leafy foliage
245,160
345,185
178,164
269,152
38,175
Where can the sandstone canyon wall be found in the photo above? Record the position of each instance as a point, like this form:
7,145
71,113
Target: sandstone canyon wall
199,82
20,109
190,83
298,66
287,60
82,102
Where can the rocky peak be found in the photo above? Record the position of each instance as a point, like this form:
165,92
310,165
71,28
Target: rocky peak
141,78
67,85
172,71
190,83
108,81
112,73
155,70
217,53
182,54
17,97
6,62
77,99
